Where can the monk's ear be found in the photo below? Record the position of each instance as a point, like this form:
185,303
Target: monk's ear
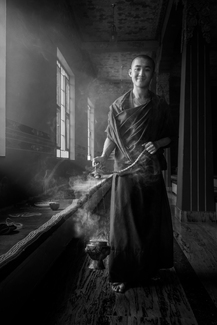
130,72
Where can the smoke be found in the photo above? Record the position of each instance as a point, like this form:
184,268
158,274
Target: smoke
81,185
90,225
46,178
86,223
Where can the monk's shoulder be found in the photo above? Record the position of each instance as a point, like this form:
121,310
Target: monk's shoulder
119,104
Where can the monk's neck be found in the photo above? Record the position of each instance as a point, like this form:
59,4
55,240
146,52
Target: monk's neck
141,93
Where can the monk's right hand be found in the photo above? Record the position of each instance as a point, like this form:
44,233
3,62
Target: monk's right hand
100,160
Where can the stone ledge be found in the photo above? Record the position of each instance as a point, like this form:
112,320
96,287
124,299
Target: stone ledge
26,263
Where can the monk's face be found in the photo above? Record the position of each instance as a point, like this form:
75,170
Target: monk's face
141,72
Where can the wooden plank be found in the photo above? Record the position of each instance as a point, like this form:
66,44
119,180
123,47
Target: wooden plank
92,301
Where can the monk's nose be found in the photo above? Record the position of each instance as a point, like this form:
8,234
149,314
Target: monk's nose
141,73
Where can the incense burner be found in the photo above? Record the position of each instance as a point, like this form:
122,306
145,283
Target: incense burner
97,251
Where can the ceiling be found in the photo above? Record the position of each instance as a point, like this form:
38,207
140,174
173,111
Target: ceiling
135,20
138,24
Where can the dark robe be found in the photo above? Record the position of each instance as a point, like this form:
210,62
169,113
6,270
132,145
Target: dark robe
141,234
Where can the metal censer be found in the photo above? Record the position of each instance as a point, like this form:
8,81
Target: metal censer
97,251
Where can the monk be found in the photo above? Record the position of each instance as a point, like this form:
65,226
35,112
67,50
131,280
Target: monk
141,233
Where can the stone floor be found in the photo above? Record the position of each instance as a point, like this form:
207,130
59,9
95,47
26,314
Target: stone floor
73,294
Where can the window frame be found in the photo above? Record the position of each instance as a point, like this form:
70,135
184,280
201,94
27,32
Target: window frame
65,109
90,131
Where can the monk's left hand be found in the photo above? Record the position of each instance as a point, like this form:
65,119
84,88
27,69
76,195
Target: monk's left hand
151,147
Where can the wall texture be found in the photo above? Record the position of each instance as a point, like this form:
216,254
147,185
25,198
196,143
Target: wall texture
34,30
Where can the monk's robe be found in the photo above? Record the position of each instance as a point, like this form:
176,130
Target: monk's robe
141,233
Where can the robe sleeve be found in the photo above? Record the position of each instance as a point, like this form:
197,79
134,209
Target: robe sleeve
108,130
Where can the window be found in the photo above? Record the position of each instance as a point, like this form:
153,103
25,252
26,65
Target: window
65,111
90,134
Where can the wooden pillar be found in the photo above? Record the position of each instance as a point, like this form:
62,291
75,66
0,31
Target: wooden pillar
162,88
195,189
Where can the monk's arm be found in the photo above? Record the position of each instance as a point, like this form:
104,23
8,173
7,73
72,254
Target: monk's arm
108,147
152,147
162,142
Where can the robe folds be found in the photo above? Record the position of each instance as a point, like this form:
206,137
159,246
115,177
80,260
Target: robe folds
141,233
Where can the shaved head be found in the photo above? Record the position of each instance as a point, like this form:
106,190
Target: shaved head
145,57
